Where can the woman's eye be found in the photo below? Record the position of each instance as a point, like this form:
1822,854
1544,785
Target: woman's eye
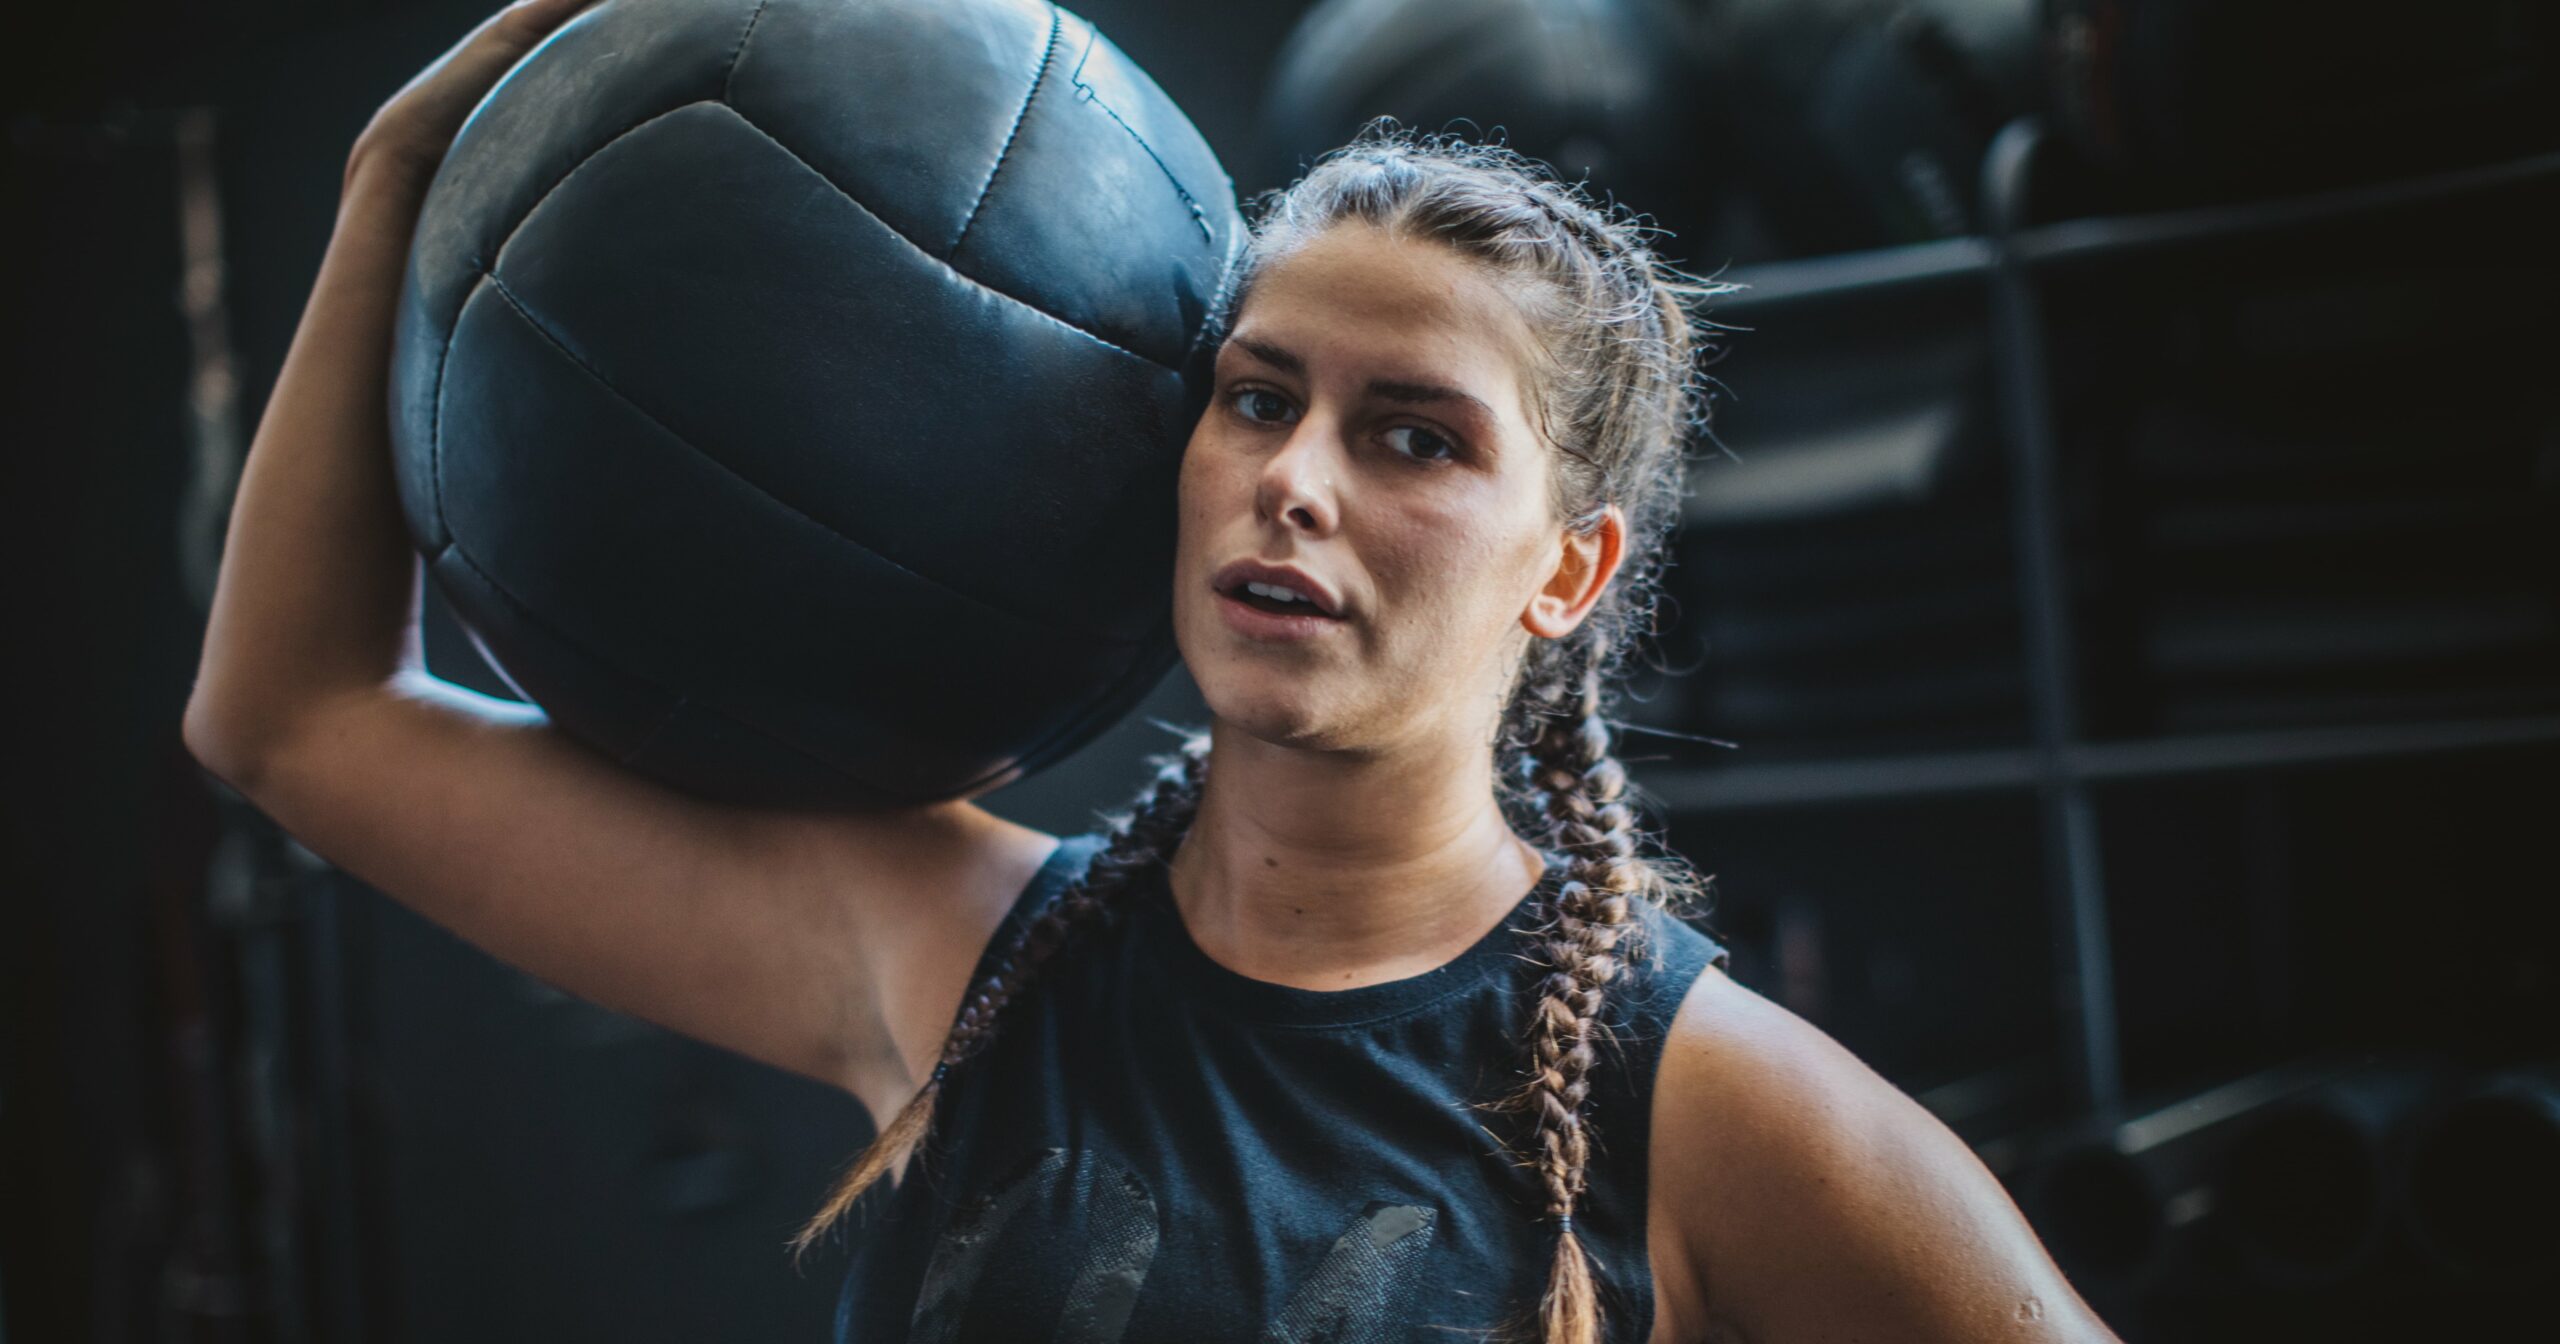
1252,402
1424,445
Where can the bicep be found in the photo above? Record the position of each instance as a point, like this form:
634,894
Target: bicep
1825,1204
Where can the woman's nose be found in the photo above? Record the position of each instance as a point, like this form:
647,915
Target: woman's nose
1297,484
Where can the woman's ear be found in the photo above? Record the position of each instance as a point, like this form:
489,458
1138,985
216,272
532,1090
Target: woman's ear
1584,566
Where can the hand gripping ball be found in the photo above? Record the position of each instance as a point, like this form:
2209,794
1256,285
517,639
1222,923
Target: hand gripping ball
788,394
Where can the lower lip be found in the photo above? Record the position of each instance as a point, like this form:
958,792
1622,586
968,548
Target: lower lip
1255,623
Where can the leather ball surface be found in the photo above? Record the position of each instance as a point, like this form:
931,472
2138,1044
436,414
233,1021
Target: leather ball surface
788,394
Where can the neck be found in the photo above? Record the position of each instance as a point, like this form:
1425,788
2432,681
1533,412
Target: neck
1332,871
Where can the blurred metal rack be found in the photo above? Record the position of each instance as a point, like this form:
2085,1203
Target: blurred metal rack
1779,284
1928,774
2065,242
1878,271
2058,763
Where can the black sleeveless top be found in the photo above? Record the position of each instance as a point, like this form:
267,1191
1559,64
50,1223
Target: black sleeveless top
1155,1149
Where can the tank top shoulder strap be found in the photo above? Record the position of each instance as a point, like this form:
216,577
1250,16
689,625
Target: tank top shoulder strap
1064,865
1658,976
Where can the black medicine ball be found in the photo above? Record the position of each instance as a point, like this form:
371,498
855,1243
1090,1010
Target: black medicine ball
788,394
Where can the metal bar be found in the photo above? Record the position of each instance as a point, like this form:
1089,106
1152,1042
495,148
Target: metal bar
1887,777
1884,778
1878,271
2301,746
1872,271
2120,236
2085,989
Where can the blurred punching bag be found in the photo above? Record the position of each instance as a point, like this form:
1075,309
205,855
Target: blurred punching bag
1601,89
1864,121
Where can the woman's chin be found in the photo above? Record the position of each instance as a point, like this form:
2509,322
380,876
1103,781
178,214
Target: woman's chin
1278,713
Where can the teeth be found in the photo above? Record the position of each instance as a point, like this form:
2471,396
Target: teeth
1274,592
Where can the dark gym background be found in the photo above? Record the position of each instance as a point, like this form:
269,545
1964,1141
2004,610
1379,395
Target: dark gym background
2125,584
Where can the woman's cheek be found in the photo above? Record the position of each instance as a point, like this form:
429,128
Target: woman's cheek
1204,490
1217,478
1426,576
1456,543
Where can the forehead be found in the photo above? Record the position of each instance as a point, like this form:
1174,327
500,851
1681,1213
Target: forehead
1355,295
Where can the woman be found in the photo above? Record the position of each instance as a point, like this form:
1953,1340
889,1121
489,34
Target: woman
1370,1021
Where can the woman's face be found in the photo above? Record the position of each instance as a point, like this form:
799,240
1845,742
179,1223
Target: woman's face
1369,430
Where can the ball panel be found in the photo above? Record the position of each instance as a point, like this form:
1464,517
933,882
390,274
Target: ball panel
419,339
600,75
1080,724
813,351
707,753
1107,77
620,539
643,727
1110,211
601,705
907,106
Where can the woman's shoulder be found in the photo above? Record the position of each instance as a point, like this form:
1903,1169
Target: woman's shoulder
1776,1147
1783,1094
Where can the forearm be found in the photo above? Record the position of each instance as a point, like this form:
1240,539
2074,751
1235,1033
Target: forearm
318,576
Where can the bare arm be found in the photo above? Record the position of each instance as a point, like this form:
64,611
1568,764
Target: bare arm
1801,1198
834,946
831,945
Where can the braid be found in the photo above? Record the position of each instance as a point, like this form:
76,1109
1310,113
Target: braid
1617,392
1585,936
1139,839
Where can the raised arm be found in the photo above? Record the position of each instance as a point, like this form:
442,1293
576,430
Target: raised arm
831,945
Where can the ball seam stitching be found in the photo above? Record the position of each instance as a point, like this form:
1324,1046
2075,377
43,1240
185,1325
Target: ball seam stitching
498,255
1149,660
1025,304
729,72
527,614
435,413
1039,76
540,329
506,241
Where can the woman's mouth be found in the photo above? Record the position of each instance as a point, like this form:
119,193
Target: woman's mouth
1273,597
1267,601
1252,611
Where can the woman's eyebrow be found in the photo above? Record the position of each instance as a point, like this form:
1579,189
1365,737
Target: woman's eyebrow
1273,355
1409,394
1415,393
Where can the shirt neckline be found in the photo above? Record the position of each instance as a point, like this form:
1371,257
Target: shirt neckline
1204,978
